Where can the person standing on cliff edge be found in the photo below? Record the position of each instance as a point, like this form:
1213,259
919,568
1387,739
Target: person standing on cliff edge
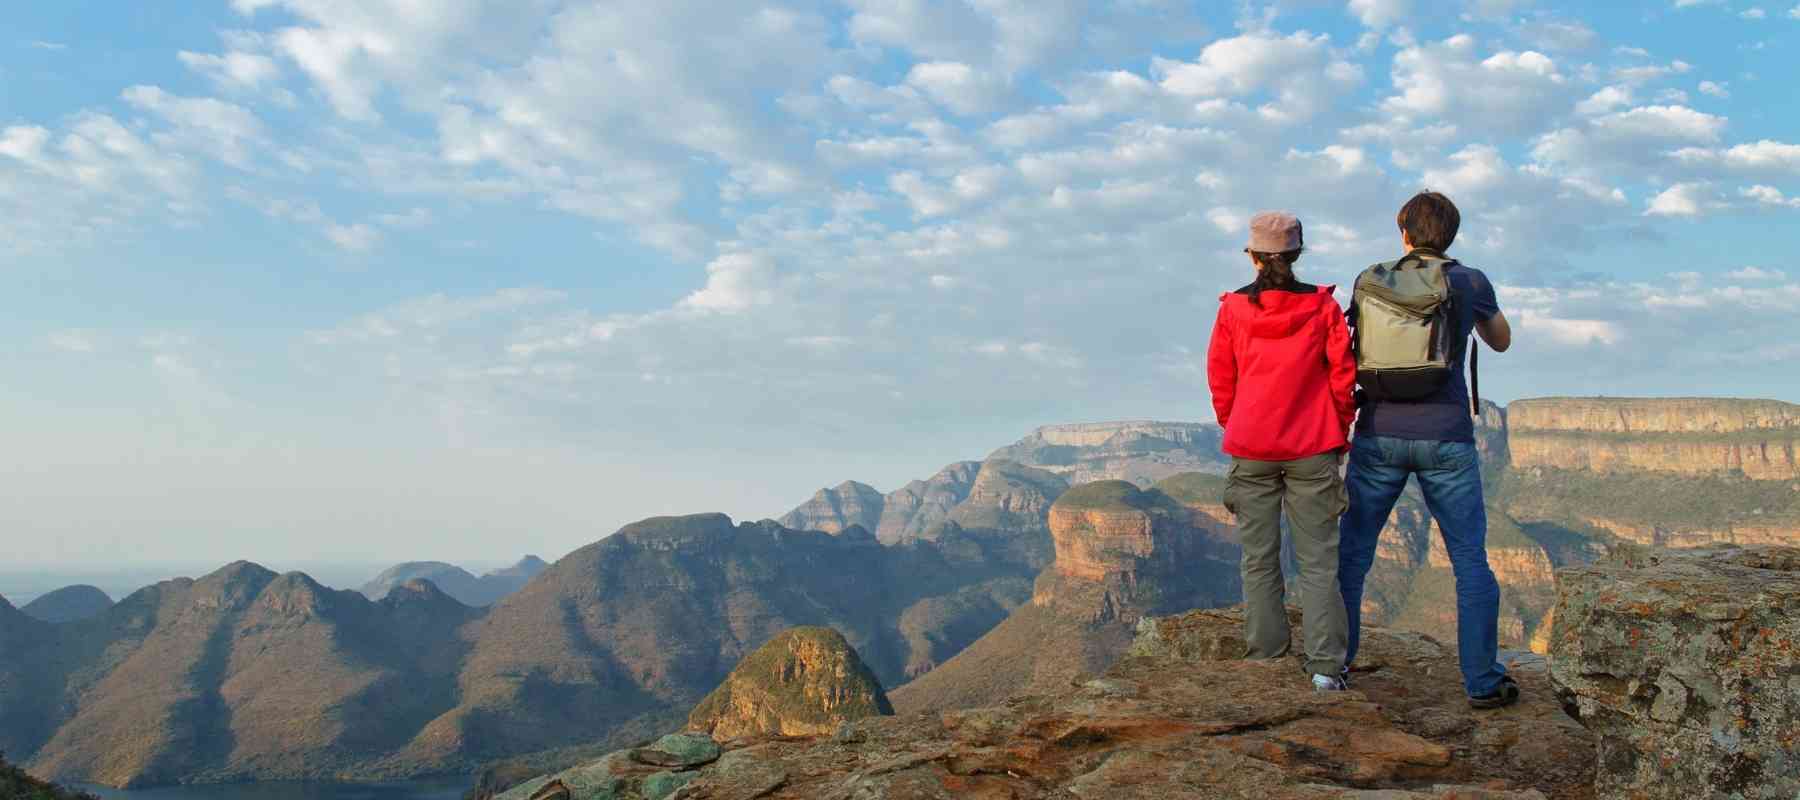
1412,320
1282,376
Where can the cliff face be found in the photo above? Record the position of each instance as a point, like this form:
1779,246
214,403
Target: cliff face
803,682
1759,438
1120,553
1140,452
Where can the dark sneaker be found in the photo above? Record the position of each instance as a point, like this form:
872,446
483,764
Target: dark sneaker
1326,683
1502,696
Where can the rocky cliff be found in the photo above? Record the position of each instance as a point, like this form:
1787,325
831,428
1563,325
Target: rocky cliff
1684,436
1141,452
803,682
1686,666
1120,553
1179,717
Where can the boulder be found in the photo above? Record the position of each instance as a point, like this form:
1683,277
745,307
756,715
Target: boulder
804,682
1686,666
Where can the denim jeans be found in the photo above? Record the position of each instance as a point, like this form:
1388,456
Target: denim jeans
1450,476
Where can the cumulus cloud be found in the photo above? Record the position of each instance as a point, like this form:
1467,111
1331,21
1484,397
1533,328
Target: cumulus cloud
1506,91
1300,72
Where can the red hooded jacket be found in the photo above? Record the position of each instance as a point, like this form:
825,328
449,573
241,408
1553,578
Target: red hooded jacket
1282,375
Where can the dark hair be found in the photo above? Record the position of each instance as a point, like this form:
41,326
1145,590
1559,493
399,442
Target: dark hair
1277,272
1430,221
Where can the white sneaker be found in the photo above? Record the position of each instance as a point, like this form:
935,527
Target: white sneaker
1327,683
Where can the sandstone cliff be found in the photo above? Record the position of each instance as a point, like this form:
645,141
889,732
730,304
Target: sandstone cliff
803,682
1758,438
1684,664
1180,717
1120,553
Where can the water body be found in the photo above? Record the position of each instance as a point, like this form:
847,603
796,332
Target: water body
436,789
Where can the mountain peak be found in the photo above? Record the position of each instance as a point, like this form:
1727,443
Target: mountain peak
69,604
833,510
527,567
677,530
805,681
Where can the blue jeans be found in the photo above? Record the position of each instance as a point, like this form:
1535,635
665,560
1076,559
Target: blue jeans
1450,475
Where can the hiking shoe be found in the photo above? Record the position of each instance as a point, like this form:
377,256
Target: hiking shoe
1326,683
1502,696
1344,676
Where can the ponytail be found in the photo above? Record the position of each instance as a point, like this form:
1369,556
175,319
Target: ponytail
1277,272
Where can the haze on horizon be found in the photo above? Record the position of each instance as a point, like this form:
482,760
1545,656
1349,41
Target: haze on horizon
324,281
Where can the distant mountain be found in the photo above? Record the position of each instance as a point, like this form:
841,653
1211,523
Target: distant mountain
68,604
620,638
246,674
456,581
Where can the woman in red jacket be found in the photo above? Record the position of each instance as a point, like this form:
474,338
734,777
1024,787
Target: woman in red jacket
1282,376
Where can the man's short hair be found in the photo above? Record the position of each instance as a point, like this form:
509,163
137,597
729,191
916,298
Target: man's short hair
1430,220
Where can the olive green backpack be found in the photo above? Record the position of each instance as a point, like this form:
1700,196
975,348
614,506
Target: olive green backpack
1405,329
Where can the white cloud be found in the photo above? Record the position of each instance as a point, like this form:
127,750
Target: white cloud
1381,13
233,70
1765,155
1754,12
1769,196
957,86
734,282
1683,200
1719,90
1300,71
201,124
1508,91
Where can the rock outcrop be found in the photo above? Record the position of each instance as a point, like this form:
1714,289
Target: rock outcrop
16,785
1121,553
804,682
1172,720
832,510
68,604
1685,436
1686,666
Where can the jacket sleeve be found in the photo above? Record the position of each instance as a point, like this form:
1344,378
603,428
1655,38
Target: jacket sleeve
1342,366
1221,368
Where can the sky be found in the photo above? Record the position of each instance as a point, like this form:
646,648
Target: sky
366,280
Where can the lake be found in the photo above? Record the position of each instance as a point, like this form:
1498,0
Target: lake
435,789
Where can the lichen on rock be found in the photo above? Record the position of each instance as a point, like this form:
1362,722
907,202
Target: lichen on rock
1686,666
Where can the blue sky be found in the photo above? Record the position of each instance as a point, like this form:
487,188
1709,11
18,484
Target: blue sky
346,279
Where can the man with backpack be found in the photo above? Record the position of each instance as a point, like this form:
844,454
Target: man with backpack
1412,321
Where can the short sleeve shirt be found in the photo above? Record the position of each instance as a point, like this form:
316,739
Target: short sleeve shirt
1445,415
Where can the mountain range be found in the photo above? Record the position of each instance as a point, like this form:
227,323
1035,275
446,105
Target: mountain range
456,581
1023,568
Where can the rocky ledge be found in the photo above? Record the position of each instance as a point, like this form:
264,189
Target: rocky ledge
1177,717
1686,666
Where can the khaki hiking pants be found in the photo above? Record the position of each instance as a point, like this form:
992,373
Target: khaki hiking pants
1313,494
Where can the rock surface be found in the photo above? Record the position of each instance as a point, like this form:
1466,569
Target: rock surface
1686,666
804,682
1172,721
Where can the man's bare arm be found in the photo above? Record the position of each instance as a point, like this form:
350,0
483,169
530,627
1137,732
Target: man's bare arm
1497,332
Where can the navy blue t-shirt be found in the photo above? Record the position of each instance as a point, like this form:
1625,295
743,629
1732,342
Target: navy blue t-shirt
1442,417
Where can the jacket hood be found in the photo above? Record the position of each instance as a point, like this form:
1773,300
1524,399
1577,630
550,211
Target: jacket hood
1282,313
